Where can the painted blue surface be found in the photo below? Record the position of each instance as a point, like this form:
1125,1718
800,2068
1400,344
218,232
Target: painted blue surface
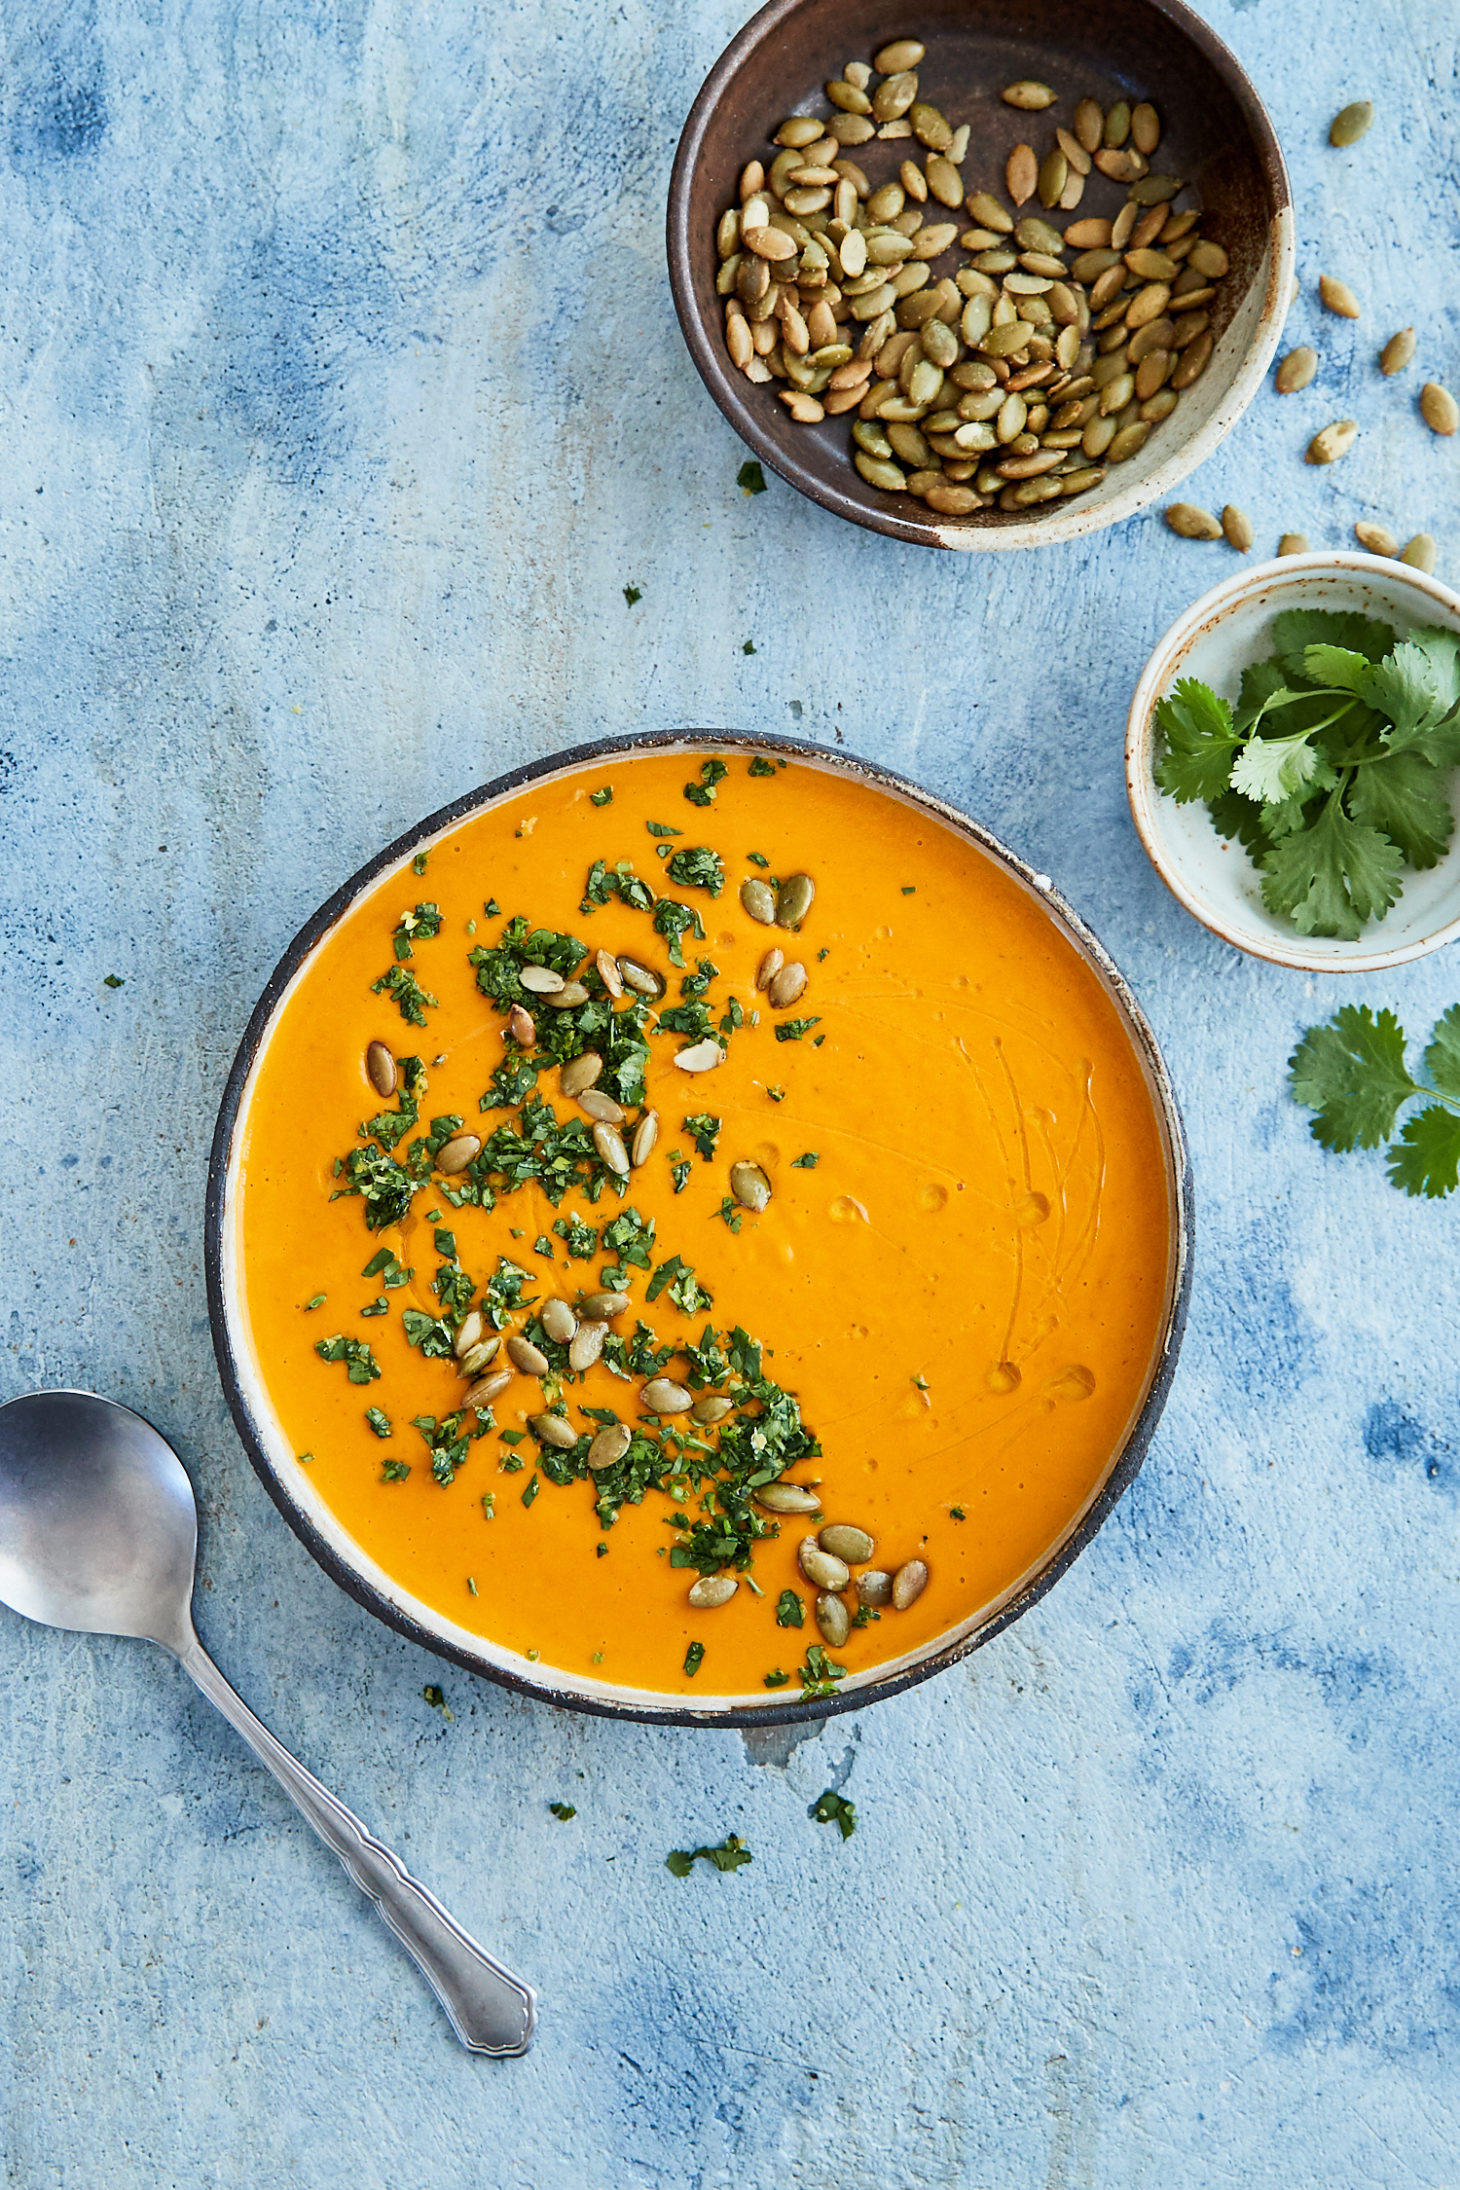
341,398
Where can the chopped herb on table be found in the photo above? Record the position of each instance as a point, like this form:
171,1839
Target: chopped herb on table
1333,766
750,478
632,594
437,1700
731,1855
749,648
1352,1072
562,1811
834,1809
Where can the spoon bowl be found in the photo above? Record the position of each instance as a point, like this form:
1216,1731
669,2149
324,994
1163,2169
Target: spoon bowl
99,1533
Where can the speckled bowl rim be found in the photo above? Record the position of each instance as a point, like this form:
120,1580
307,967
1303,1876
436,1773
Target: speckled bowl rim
1077,519
1146,798
604,1701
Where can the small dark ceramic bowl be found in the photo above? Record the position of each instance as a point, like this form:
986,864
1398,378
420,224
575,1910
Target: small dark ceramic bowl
1214,132
288,1484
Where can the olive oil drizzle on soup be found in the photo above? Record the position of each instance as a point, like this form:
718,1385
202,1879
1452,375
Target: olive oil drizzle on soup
559,1343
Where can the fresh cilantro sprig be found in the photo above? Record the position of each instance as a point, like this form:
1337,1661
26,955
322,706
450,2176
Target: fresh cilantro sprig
1332,766
1351,1072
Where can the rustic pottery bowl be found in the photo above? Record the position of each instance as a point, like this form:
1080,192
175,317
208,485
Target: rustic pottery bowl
1215,133
349,1565
1216,881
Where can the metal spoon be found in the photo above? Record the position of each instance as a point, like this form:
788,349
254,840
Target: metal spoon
99,1532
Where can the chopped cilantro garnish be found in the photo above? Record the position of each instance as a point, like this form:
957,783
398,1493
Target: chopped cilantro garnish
957,1513
674,921
419,926
603,797
909,889
113,981
430,1333
834,1809
445,1243
562,1811
580,1239
731,1215
790,1610
361,1365
808,1162
679,1170
633,594
698,868
532,1490
491,908
760,766
776,1679
704,1130
730,1855
793,1030
683,1286
305,1459
317,1302
749,648
437,1700
620,881
394,1471
750,478
758,859
694,1658
408,993
662,828
819,1675
776,1094
418,864
380,1306
712,773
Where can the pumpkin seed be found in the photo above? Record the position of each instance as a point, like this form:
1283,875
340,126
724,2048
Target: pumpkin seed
901,54
908,1584
1351,122
641,979
478,1358
833,1618
820,1566
893,97
712,1590
380,1069
1293,543
570,994
759,900
490,1388
1193,362
700,1056
609,1447
800,130
1073,151
1333,442
929,126
597,1105
944,180
1117,125
457,1153
874,1588
551,1429
853,1545
1420,553
1397,352
1192,522
785,987
1296,370
1145,128
609,974
586,1346
793,900
1377,539
988,212
1237,525
541,980
520,1023
848,97
661,1395
469,1334
787,1498
1338,297
523,1355
1021,173
1438,408
646,1133
1090,124
580,1072
1054,173
609,1142
1129,441
603,1307
1029,95
559,1321
712,1408
750,1186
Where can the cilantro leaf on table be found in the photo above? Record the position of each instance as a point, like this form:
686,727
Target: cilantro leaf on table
1426,1157
731,1855
1352,1073
834,1809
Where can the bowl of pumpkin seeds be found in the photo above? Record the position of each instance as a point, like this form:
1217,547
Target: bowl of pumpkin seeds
981,277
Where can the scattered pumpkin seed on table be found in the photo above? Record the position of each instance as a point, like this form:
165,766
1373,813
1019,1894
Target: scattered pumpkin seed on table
1420,553
1338,297
1377,539
1438,408
1007,365
1334,441
1296,370
1351,122
1397,352
1293,543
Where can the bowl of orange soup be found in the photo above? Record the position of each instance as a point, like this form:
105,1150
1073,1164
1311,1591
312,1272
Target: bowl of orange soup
697,1230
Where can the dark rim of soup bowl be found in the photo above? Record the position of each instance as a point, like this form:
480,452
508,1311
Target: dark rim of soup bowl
805,33
681,1713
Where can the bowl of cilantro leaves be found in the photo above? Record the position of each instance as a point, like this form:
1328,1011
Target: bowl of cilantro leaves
1293,762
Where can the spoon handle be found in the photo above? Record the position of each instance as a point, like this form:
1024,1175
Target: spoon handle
490,2010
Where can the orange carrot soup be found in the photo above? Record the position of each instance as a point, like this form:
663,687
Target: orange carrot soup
702,1226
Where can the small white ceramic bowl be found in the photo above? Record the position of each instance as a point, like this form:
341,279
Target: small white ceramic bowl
1215,880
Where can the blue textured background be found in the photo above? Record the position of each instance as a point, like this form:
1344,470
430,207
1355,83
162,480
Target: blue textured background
341,396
